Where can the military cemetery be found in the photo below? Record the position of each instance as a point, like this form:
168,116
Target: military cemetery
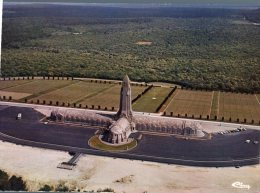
103,95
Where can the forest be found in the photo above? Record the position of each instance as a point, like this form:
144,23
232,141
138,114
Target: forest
203,48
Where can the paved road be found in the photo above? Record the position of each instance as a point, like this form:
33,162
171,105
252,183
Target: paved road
227,150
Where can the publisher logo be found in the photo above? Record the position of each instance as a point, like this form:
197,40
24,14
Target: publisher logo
240,185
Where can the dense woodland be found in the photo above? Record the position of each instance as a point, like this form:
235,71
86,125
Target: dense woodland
195,47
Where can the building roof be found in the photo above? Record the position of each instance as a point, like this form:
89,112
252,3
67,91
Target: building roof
83,115
120,126
167,122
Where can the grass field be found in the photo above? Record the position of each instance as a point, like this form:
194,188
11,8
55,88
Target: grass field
215,104
14,95
11,83
167,102
151,100
111,97
74,92
239,106
97,144
136,90
231,106
39,86
191,103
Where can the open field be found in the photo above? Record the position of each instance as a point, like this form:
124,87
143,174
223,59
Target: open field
67,91
151,100
167,102
14,95
216,104
39,86
11,83
191,103
111,97
136,90
73,92
228,105
239,106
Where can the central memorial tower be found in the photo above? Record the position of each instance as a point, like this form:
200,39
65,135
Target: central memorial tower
125,106
123,126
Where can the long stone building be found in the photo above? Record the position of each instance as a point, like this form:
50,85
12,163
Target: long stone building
118,127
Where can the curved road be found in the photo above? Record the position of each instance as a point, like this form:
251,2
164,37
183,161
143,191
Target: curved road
221,151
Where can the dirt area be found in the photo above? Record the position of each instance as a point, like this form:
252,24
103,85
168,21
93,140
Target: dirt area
144,43
14,95
39,167
164,84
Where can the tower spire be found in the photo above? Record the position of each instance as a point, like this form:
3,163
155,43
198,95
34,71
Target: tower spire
125,108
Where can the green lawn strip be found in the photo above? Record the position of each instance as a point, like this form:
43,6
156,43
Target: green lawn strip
49,90
97,144
137,92
27,82
192,103
150,101
78,101
168,101
214,105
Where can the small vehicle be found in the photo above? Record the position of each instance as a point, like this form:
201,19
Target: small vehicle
256,142
247,141
19,116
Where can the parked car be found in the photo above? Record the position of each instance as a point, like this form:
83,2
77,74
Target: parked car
19,116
